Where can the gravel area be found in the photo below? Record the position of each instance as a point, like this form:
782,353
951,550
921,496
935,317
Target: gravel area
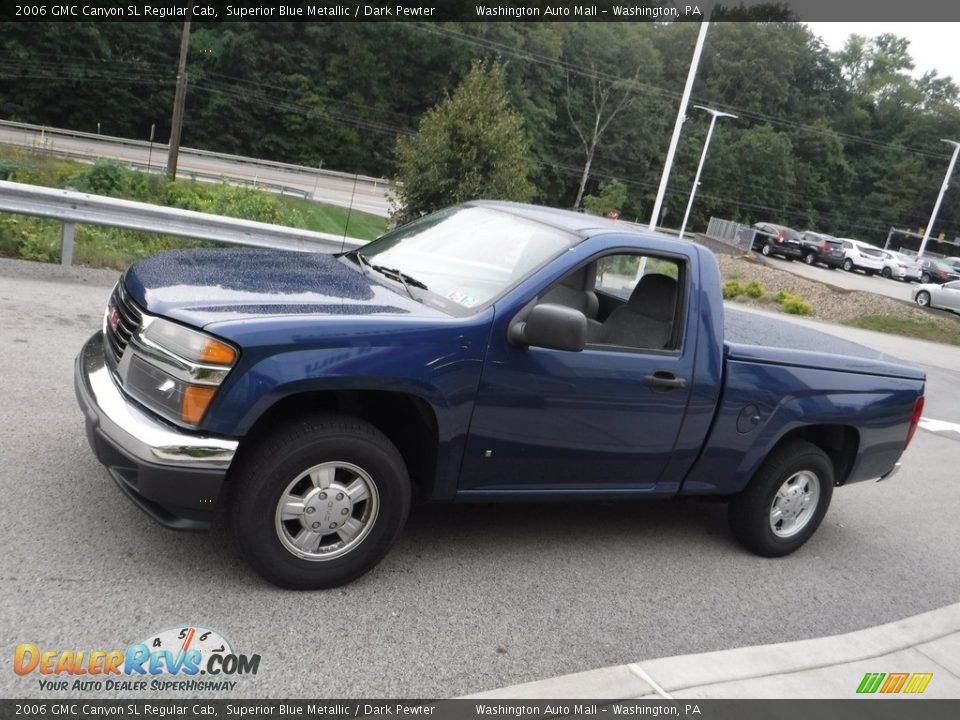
831,303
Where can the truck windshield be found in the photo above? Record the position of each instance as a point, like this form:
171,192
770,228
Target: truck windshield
465,257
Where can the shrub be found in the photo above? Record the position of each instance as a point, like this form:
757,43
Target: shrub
104,177
754,289
731,288
797,306
794,304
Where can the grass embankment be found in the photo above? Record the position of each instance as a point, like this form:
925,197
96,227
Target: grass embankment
772,288
908,327
33,238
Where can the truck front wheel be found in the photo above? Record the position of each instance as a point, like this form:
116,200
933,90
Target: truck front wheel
785,501
319,501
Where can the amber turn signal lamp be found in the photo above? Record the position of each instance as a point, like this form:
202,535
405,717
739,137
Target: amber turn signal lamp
195,401
217,353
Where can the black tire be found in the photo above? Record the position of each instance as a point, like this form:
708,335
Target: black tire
886,273
766,250
923,298
749,512
925,279
278,459
848,265
810,259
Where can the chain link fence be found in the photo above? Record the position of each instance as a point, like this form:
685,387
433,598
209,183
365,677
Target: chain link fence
731,233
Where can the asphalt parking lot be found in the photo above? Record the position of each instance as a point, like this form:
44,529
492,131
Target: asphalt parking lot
896,289
472,598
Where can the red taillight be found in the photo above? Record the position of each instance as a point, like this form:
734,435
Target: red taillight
914,420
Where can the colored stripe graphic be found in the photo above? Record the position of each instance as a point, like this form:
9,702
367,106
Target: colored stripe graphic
870,682
894,683
918,683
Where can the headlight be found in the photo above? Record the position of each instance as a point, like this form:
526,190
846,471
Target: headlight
176,370
189,344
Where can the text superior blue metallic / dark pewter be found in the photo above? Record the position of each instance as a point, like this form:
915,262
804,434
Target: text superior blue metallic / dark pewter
489,352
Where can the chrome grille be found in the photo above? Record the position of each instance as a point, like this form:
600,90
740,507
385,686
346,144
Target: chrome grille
119,329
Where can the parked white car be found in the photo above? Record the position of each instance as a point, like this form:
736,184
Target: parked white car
946,296
900,266
858,255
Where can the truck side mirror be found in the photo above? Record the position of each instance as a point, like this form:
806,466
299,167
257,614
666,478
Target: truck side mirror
556,327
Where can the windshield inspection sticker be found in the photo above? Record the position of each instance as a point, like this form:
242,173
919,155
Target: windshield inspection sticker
461,299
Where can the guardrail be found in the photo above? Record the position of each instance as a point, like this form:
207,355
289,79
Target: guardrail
160,148
74,208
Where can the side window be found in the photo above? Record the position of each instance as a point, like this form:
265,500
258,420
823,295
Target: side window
639,303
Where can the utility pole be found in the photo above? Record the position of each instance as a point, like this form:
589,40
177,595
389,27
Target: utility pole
681,115
703,156
178,102
943,190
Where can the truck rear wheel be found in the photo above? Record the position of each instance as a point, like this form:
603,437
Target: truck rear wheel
319,501
785,501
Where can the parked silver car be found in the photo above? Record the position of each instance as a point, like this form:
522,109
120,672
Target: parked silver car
900,266
945,296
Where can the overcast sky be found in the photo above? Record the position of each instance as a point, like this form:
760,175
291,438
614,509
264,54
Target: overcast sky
933,46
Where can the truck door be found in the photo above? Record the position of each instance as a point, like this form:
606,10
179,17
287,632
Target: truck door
606,418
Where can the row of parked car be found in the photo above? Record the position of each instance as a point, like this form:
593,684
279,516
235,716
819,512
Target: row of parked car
940,279
852,255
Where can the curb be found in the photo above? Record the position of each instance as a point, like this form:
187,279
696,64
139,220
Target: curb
816,668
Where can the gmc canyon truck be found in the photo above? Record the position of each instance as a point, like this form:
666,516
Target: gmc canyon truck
490,352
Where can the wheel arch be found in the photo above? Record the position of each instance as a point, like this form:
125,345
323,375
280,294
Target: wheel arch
407,420
840,442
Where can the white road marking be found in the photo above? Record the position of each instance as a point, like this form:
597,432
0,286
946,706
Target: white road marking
939,426
641,673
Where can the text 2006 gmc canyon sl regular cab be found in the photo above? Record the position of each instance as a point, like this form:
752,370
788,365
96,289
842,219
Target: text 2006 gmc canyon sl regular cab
488,352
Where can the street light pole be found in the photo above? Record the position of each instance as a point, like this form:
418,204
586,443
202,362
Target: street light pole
714,114
681,115
943,190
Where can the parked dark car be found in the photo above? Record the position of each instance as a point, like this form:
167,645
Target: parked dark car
935,271
773,239
822,249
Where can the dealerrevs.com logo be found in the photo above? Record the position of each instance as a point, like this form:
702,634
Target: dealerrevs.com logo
191,658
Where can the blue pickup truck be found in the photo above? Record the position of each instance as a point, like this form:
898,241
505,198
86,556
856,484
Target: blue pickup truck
490,352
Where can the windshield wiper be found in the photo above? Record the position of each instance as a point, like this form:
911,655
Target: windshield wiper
361,260
406,280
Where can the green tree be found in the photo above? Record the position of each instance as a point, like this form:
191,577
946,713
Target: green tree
612,197
471,145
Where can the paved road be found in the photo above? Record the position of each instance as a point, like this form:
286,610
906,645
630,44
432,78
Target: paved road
473,598
365,196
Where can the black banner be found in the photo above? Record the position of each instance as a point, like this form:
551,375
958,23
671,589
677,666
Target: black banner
478,11
860,709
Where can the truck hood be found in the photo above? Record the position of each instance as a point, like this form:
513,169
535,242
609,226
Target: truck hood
200,287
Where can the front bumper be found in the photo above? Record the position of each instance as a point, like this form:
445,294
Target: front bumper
173,475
